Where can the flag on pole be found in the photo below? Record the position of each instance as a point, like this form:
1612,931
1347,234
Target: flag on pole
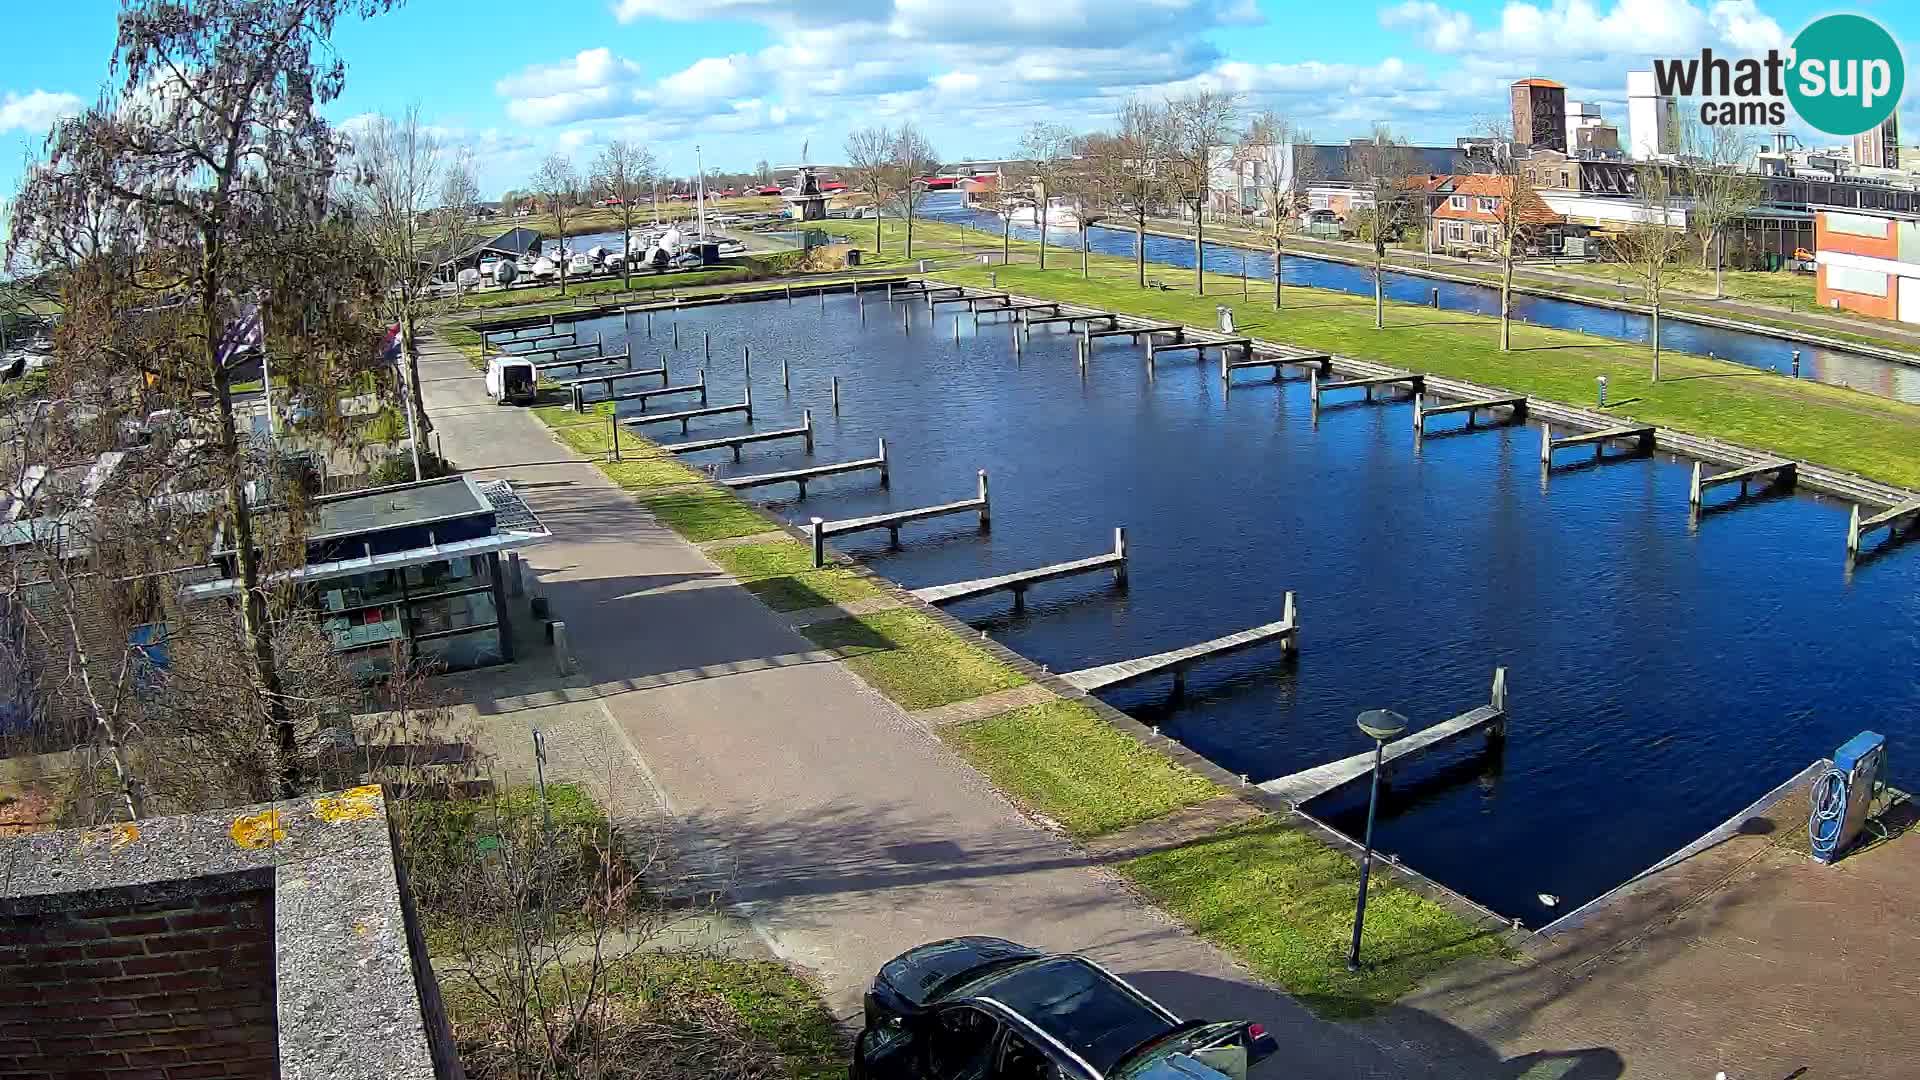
242,336
390,344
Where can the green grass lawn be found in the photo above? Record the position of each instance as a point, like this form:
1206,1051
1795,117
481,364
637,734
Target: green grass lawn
1060,759
703,514
912,659
781,573
1810,421
1282,902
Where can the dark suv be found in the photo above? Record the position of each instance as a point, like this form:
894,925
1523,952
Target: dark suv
979,1008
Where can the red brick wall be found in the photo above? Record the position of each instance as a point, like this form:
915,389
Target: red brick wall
182,990
1885,246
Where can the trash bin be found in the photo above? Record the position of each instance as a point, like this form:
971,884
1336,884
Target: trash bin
853,256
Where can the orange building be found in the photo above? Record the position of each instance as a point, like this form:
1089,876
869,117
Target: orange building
1868,263
1468,212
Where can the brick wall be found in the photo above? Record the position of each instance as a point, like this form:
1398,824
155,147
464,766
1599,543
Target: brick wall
178,990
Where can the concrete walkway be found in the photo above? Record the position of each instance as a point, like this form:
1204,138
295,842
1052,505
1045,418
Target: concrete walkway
854,832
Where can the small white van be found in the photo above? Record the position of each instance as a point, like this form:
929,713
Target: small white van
511,380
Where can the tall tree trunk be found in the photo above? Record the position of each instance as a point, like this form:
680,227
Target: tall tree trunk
877,219
909,253
626,241
1140,243
1043,235
1278,266
1719,265
1083,250
254,625
1006,239
1199,251
1379,298
1656,337
1506,300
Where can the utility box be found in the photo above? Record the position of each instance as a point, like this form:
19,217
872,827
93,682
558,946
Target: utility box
1844,795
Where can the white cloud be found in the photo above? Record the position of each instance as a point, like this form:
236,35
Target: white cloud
595,83
35,111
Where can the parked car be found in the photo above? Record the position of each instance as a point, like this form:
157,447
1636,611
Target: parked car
980,1008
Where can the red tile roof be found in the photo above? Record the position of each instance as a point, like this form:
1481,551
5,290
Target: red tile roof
1533,209
1548,83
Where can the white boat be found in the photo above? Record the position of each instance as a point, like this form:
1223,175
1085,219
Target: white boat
580,266
1061,213
544,269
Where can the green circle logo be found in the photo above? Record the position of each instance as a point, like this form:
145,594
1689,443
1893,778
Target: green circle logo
1847,74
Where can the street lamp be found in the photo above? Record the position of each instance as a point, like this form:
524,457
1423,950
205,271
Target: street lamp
1378,725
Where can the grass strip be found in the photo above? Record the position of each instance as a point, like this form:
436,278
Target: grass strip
1282,901
1060,759
1810,421
912,659
781,573
706,514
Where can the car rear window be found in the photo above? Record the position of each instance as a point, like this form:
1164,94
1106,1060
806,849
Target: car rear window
1080,1006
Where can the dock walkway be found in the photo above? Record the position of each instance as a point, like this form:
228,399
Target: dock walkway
1515,404
811,472
684,415
1780,472
1642,437
1020,581
735,442
1179,660
1308,784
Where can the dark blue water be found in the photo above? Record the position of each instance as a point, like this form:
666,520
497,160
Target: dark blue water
1898,381
1663,674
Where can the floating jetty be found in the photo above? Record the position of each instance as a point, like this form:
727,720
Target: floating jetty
1178,661
1020,581
499,333
735,442
1321,363
1641,437
1245,345
684,415
811,472
698,386
1089,335
893,519
1016,309
1516,407
538,350
1889,519
925,290
1308,784
1778,472
1110,319
577,386
972,300
1411,380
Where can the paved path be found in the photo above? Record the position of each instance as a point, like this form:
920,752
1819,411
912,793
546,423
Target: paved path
854,832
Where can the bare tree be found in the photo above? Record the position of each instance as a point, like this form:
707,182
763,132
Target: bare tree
1099,182
209,156
1519,215
397,174
913,158
870,157
1723,190
1048,153
459,201
624,170
1135,166
1197,124
1267,145
1656,238
554,182
1379,168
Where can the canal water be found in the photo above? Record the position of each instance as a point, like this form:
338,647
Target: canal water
1887,378
1664,673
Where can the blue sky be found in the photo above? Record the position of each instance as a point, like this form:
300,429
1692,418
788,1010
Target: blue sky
753,79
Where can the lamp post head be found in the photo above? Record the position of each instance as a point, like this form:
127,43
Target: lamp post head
1382,724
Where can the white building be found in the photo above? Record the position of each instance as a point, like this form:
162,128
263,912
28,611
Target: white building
1580,114
1653,119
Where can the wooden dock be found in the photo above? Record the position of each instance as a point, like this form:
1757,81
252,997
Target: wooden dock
1412,381
1020,581
735,442
685,415
1516,406
1889,519
1321,363
1642,438
1110,319
926,291
811,472
1016,309
546,327
1225,345
1779,472
577,386
643,396
1178,661
1309,784
969,299
893,519
1089,335
544,349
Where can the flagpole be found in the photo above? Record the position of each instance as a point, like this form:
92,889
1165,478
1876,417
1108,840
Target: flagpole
700,199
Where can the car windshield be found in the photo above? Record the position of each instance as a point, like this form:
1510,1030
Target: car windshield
1081,1007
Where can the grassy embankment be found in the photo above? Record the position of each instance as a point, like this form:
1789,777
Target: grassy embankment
1810,421
664,1002
1689,288
1061,761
